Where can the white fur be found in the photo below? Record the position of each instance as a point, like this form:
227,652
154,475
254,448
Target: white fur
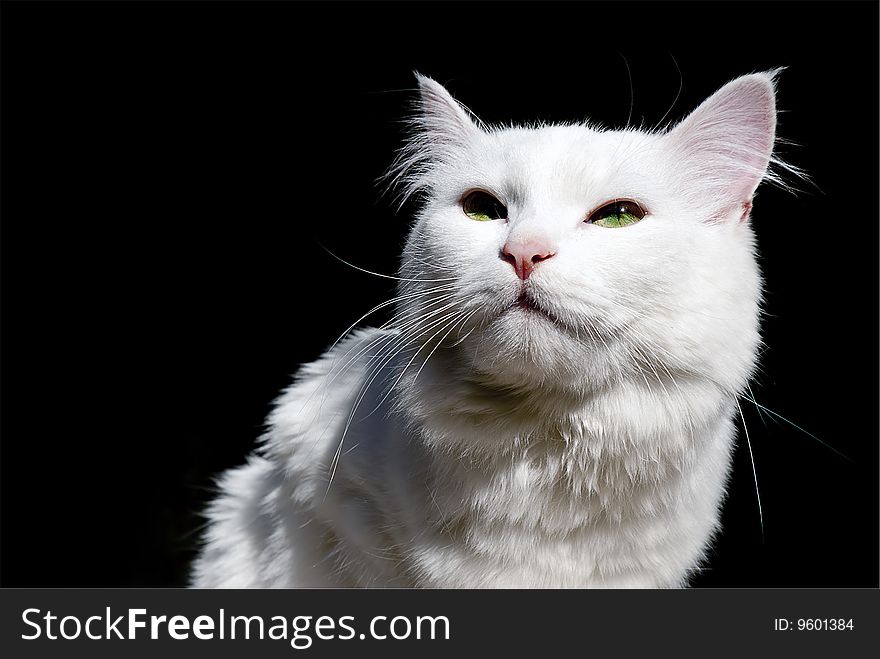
474,444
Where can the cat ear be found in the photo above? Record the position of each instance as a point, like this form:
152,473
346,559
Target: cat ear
438,131
440,116
726,144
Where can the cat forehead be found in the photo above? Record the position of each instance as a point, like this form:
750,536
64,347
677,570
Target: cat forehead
577,141
563,155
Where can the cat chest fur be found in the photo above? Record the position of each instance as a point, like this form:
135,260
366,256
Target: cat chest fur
600,496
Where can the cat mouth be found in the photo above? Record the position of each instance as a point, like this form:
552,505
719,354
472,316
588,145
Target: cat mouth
527,304
528,307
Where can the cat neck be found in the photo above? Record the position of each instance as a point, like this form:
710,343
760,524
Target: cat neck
498,462
459,411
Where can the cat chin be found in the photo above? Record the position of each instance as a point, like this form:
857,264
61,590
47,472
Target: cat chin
524,348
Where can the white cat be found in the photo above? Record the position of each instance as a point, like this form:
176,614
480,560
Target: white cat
553,403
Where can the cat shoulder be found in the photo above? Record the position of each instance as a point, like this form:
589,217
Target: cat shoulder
310,416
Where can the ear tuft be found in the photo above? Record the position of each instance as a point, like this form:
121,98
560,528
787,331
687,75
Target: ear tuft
440,131
440,114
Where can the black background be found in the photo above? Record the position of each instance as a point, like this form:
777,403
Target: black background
168,171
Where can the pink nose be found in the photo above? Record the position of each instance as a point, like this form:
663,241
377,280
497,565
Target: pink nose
525,255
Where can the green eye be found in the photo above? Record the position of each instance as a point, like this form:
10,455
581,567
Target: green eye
482,207
619,213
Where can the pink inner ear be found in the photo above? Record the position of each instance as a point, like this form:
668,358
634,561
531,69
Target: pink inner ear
746,209
726,143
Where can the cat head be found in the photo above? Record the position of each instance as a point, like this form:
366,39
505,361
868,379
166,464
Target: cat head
568,256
